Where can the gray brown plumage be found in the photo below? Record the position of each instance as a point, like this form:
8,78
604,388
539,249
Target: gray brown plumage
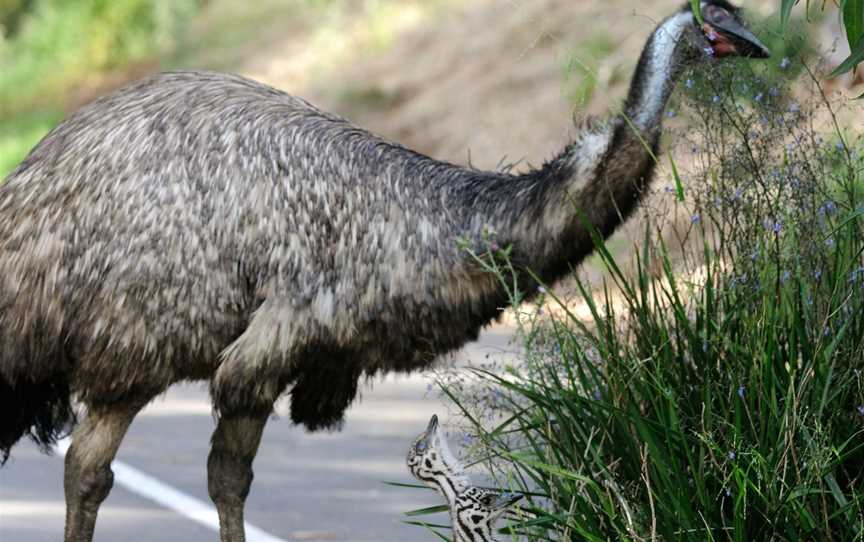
202,226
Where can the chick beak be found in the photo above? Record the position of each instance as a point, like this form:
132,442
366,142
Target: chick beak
433,425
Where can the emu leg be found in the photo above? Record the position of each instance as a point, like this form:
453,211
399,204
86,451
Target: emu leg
88,477
229,469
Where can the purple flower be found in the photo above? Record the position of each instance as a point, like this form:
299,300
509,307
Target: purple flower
597,394
494,247
688,83
830,242
861,410
695,219
774,92
785,277
728,492
759,97
670,114
709,51
541,289
732,456
716,99
712,36
776,226
818,274
794,107
741,392
785,63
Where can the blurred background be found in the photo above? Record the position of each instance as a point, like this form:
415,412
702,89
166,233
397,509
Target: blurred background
485,82
498,77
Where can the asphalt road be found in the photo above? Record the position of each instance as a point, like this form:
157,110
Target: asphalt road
308,487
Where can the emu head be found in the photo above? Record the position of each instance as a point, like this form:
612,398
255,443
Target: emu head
425,460
723,32
431,461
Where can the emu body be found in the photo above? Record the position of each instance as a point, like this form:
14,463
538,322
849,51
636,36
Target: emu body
202,226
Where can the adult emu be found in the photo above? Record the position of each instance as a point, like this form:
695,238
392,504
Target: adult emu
203,226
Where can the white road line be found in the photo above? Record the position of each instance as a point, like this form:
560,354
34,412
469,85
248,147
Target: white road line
146,486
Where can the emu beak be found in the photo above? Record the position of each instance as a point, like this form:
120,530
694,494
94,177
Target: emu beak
736,39
433,425
425,439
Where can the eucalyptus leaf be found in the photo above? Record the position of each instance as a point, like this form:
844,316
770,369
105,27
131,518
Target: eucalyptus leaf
696,5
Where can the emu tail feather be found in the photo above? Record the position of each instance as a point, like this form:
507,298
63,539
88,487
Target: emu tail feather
40,409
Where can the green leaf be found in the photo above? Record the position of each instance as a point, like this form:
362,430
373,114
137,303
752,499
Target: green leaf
697,10
412,486
853,19
850,63
785,12
427,511
679,186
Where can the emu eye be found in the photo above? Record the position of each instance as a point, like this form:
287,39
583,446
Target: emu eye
421,446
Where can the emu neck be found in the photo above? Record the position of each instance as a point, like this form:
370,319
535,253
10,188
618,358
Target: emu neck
660,64
462,533
599,178
447,487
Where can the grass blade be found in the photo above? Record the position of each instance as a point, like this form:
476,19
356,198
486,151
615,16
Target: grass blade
854,59
785,12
